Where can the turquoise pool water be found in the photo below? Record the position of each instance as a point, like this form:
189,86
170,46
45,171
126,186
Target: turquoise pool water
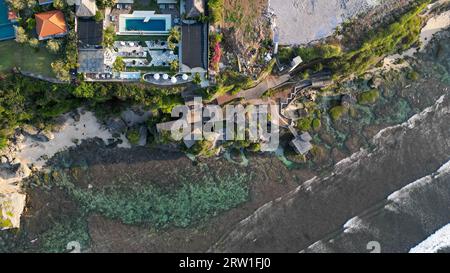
140,25
6,27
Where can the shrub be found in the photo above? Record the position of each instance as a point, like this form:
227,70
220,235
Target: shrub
413,75
133,136
316,124
99,16
53,46
369,97
119,64
338,112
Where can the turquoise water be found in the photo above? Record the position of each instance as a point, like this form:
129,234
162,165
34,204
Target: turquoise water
140,25
6,27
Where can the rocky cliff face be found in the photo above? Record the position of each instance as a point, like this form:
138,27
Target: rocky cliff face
12,201
321,206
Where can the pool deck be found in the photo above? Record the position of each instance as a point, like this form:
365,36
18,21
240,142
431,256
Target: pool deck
145,16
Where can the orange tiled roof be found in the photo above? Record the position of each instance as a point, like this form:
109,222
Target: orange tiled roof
50,23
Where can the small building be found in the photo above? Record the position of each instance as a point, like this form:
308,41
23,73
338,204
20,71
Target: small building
302,143
50,24
45,2
163,4
124,3
295,63
85,8
90,32
194,53
194,8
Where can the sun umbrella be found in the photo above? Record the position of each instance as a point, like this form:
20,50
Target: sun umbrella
185,77
165,76
173,80
156,76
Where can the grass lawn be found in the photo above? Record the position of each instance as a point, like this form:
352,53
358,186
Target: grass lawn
25,57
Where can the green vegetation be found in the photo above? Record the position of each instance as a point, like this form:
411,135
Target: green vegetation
4,222
192,202
54,46
119,64
215,10
99,16
316,124
368,97
227,81
55,240
174,38
105,3
398,36
202,148
338,112
24,100
413,75
323,51
109,36
197,79
304,124
387,39
174,66
26,58
133,136
59,4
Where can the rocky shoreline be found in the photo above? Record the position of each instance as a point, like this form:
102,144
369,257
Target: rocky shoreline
30,149
322,206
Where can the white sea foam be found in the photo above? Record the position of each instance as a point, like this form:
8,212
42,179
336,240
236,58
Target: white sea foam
436,242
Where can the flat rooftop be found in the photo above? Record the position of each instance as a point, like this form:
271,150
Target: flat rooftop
194,46
89,31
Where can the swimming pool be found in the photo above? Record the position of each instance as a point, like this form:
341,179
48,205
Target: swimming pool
6,27
139,24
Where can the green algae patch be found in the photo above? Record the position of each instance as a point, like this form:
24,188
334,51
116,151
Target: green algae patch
192,202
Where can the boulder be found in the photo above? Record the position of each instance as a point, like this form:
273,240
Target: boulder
143,132
45,136
29,130
116,126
